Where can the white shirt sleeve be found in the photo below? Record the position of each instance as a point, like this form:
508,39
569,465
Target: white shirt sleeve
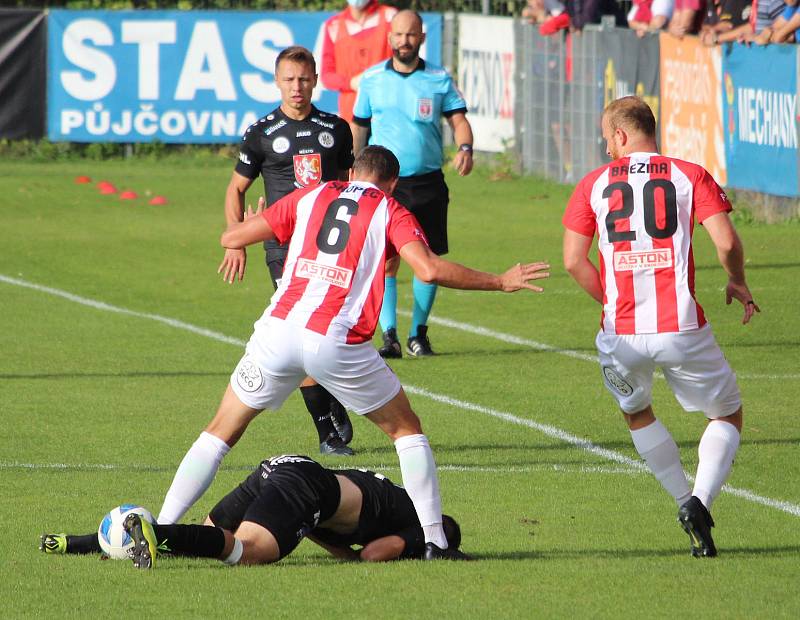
662,7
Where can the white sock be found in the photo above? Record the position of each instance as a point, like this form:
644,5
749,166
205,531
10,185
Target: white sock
235,554
194,476
659,450
716,451
422,485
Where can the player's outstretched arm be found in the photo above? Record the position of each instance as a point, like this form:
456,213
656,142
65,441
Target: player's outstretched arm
383,549
577,263
433,269
731,256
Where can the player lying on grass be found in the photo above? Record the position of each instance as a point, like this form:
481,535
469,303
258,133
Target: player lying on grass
287,498
321,321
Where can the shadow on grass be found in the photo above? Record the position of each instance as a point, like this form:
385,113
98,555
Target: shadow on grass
581,554
111,375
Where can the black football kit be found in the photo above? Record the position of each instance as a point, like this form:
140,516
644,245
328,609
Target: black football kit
291,154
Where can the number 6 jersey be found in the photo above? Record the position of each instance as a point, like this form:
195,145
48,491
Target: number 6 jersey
643,209
340,235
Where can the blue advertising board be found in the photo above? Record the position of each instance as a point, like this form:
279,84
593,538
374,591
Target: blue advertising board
176,76
759,102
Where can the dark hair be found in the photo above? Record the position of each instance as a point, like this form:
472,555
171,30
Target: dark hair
299,54
631,113
377,162
452,531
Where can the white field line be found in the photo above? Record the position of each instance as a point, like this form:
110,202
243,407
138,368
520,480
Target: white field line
540,346
513,469
550,431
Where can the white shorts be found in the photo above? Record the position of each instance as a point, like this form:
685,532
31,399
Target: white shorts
280,355
691,361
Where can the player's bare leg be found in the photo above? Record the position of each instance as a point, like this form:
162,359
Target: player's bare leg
391,348
199,466
259,546
418,468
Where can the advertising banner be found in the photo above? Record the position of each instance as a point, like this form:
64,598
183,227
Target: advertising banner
486,78
760,112
630,66
23,41
691,104
176,76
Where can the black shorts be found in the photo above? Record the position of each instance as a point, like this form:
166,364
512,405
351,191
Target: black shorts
427,197
275,259
288,495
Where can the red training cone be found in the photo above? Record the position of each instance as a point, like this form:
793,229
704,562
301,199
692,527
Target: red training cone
158,200
128,195
108,189
83,179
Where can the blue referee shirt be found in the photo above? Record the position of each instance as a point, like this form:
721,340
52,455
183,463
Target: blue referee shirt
404,110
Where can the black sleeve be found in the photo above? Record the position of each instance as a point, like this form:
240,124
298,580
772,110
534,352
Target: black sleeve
450,113
362,122
344,160
251,155
415,542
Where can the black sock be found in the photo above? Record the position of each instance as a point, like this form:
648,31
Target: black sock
197,541
318,403
87,543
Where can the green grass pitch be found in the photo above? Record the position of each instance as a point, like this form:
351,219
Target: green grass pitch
98,407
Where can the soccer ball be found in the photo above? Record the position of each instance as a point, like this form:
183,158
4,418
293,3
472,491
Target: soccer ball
115,542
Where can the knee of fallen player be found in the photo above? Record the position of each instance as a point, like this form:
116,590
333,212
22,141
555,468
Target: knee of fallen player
259,545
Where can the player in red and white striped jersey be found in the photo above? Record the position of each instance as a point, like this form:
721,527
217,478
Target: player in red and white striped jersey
643,207
322,318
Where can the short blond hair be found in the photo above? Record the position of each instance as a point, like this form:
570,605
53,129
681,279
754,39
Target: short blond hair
631,113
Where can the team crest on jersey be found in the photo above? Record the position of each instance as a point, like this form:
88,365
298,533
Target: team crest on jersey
425,108
617,381
308,169
281,144
248,375
326,139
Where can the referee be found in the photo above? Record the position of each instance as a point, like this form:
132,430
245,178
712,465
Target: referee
401,101
296,145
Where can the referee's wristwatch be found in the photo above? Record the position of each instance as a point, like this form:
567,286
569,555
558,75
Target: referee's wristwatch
465,147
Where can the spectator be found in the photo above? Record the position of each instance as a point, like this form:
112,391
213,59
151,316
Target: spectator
783,28
354,40
540,11
649,15
687,18
763,14
582,12
723,16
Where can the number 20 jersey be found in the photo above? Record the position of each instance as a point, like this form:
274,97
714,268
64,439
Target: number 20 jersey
643,208
340,235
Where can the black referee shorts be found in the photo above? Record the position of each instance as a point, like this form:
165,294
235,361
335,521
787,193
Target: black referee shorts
288,500
427,197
